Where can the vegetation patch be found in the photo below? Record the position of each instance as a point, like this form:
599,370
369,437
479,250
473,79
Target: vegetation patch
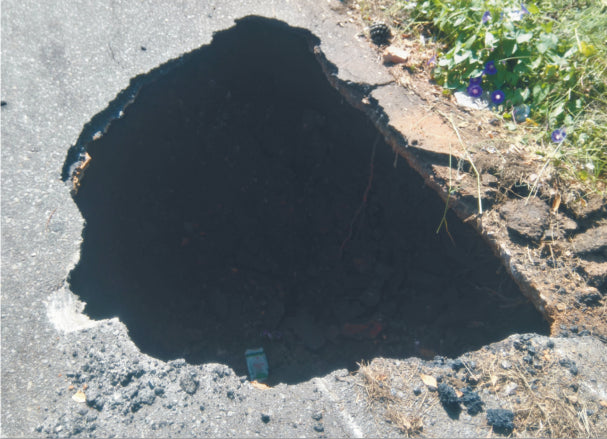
541,67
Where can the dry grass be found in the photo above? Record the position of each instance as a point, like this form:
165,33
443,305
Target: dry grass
379,380
376,382
542,398
408,425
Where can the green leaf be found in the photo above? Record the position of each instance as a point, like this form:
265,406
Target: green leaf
570,52
547,42
509,47
445,62
533,9
469,42
524,38
490,40
558,110
459,20
535,64
458,59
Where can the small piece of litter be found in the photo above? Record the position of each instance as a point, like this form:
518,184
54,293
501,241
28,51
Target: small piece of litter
79,396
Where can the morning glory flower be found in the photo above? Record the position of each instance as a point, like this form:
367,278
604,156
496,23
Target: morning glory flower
490,68
524,10
486,17
475,90
558,135
497,97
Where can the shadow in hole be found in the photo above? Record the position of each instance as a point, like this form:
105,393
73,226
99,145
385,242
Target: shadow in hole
224,211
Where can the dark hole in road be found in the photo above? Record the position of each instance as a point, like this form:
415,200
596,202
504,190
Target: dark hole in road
221,215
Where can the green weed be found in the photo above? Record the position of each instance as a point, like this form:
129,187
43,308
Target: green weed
543,65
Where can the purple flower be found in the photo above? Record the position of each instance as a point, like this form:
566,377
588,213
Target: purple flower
558,135
497,97
490,68
431,61
486,17
477,80
475,90
524,10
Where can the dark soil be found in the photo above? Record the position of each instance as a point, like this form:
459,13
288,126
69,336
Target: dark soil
234,208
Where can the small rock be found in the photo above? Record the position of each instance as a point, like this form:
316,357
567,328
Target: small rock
265,418
570,364
472,401
395,55
591,297
565,223
417,391
188,383
95,400
146,396
526,219
574,329
467,101
178,363
510,388
319,428
596,273
506,364
449,399
591,241
457,364
317,416
159,390
501,420
439,360
221,371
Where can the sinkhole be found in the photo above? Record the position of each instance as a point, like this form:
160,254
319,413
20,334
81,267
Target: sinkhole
240,202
